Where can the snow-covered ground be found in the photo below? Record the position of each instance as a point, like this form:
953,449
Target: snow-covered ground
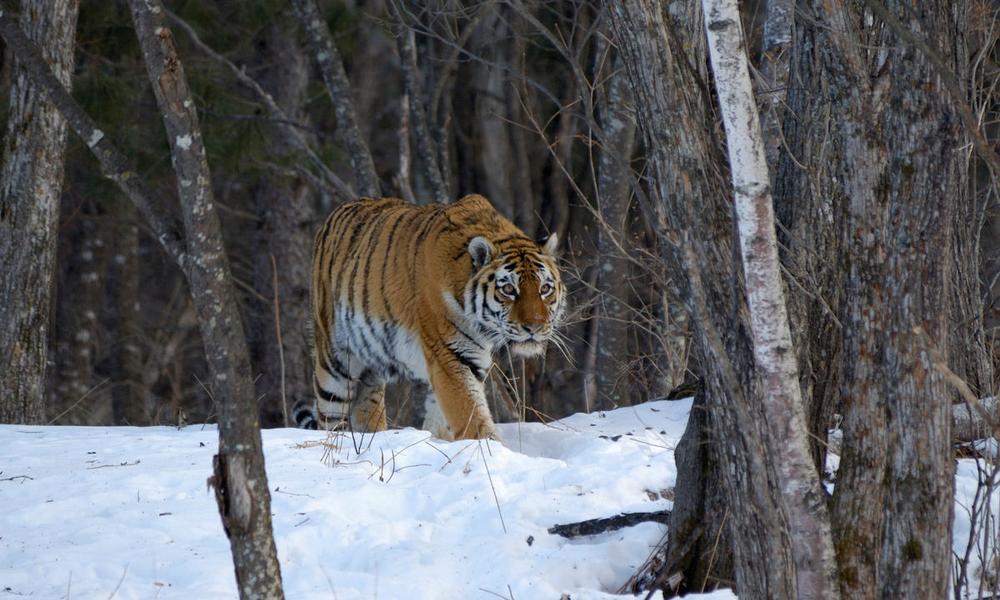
123,512
96,512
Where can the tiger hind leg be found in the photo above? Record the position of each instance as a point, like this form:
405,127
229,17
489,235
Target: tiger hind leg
335,386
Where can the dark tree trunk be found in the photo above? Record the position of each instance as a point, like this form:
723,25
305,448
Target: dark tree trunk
129,394
806,190
698,549
80,293
901,169
282,252
30,185
331,68
496,165
614,178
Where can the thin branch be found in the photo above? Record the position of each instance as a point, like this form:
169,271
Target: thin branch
277,332
332,184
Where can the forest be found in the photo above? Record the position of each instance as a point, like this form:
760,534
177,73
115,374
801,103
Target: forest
783,209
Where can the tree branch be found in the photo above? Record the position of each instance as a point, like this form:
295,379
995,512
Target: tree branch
331,67
114,165
333,184
411,87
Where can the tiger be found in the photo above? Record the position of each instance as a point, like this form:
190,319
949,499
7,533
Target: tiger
428,293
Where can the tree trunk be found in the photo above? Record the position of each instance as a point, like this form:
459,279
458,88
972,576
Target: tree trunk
806,189
331,67
614,179
80,294
128,396
804,504
779,17
496,164
426,145
899,136
694,222
239,480
30,184
284,240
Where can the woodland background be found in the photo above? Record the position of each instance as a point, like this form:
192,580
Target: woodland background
598,121
504,115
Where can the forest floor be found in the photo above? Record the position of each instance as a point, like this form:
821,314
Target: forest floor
124,512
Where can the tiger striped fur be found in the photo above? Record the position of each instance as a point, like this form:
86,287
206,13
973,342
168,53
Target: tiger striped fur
427,293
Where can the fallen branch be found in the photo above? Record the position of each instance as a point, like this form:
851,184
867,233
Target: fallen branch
121,464
620,521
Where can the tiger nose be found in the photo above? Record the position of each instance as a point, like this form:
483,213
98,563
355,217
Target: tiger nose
533,327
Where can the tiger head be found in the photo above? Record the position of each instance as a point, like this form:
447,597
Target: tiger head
515,294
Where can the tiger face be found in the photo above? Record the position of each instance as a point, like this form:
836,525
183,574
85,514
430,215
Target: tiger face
515,294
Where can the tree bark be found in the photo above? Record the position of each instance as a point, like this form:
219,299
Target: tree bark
331,68
496,164
899,134
129,394
614,179
30,184
779,17
694,222
806,189
427,146
239,479
803,499
79,295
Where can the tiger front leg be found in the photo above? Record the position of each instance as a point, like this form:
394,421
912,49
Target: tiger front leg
368,409
462,400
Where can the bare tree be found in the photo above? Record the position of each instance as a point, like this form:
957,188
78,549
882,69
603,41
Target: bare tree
30,185
331,67
239,480
694,222
804,504
614,182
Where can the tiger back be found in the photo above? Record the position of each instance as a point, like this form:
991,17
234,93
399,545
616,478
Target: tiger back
426,293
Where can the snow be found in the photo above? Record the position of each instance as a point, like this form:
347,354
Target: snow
125,512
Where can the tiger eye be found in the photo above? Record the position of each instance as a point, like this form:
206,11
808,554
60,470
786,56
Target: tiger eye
508,290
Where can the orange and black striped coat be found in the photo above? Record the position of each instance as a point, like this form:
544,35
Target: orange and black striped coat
428,293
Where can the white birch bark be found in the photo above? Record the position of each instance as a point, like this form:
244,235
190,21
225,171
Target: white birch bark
803,500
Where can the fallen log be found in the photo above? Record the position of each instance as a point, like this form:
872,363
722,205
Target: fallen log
605,524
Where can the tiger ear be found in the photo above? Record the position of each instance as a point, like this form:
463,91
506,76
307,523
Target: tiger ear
481,251
551,244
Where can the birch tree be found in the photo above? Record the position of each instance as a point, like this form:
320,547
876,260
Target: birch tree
803,499
694,222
